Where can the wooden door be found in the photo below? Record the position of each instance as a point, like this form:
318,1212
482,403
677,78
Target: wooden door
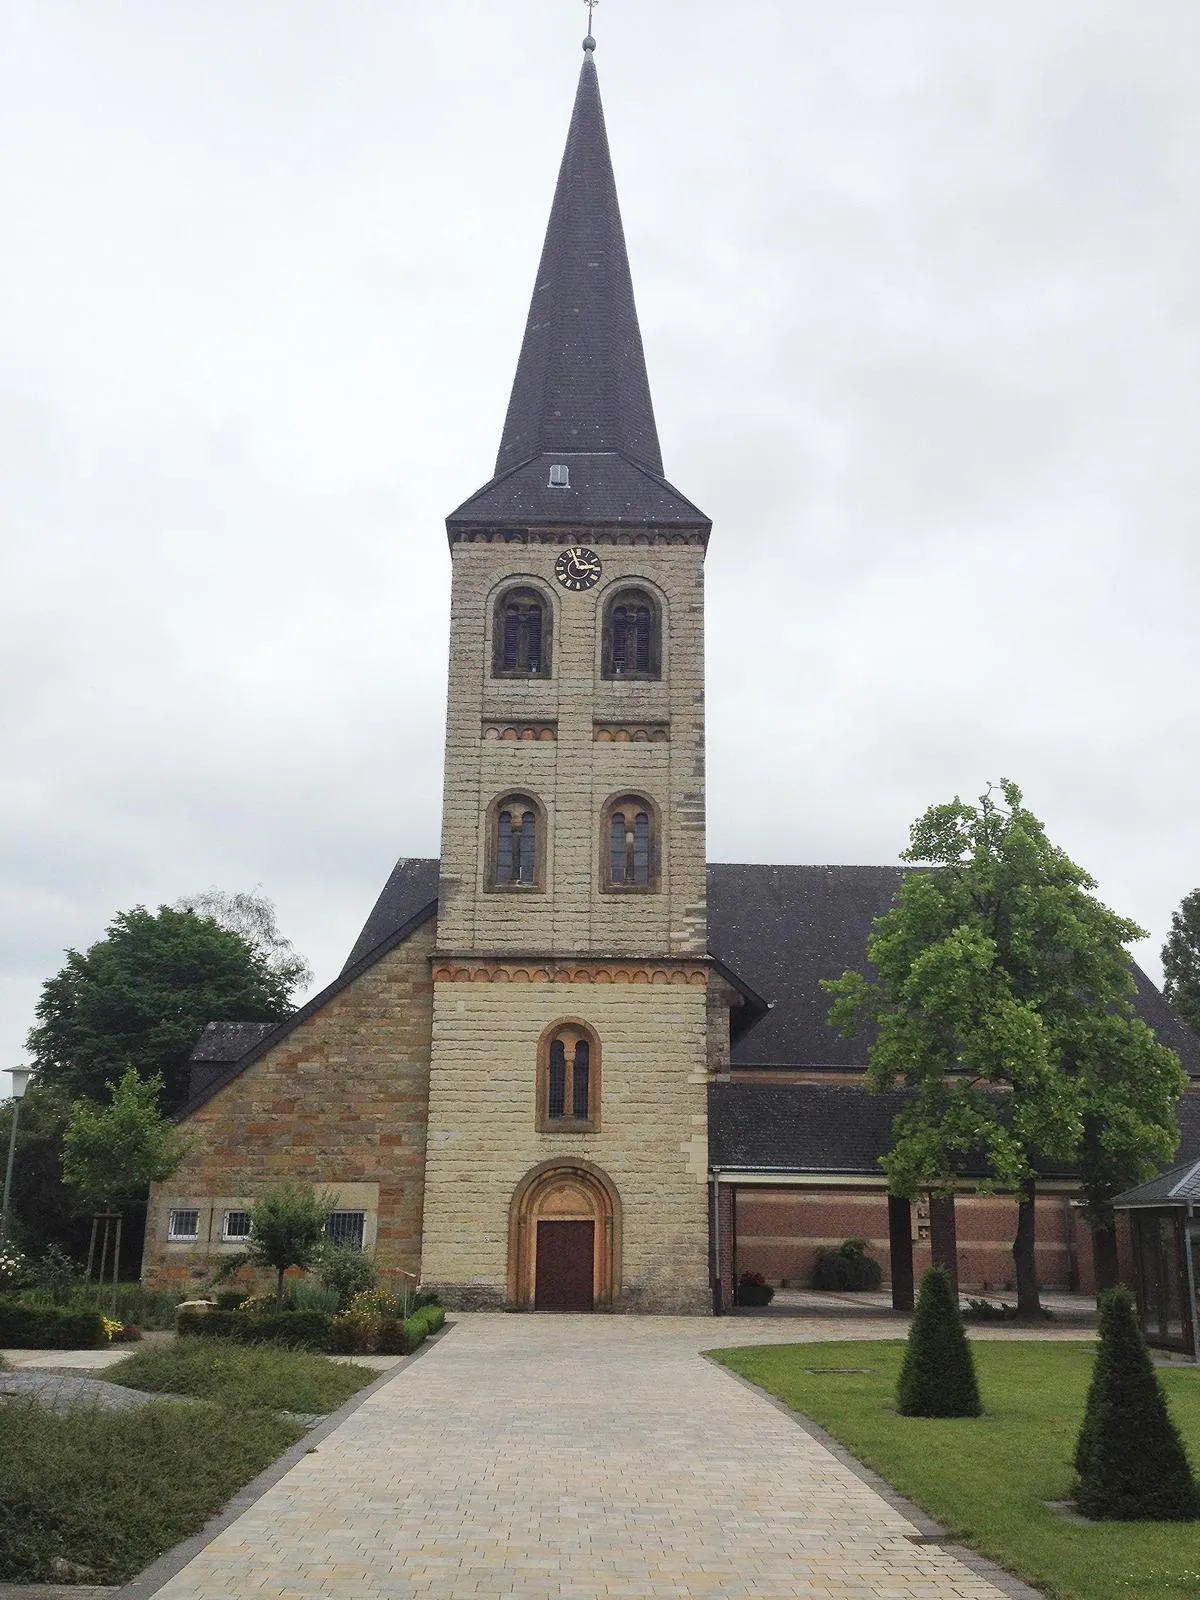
566,1266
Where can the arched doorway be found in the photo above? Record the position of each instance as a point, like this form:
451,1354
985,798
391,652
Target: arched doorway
564,1249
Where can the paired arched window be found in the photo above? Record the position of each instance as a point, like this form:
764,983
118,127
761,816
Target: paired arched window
568,1080
629,842
517,845
521,629
632,636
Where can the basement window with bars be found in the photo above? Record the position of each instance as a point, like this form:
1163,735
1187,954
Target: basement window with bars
347,1228
183,1226
235,1225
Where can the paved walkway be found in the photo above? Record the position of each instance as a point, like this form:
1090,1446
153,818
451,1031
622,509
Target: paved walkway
573,1458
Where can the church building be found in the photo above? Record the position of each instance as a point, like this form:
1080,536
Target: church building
569,1066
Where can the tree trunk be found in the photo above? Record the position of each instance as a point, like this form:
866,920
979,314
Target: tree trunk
279,1271
1024,1260
1104,1252
900,1241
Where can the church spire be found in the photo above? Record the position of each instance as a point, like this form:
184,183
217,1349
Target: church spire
581,398
581,381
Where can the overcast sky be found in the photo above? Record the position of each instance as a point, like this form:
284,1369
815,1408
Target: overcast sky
918,285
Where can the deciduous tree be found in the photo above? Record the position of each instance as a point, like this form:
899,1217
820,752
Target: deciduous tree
287,1229
1003,999
140,997
112,1154
1181,961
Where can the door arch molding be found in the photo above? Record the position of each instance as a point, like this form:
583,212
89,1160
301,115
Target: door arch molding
559,1188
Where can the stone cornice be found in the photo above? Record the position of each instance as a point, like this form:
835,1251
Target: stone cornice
580,534
675,971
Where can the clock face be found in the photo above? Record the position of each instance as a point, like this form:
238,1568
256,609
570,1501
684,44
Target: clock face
578,568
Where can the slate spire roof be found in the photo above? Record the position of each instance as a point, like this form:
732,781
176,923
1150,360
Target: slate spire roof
581,398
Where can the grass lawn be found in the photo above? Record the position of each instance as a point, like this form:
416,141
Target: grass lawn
986,1479
107,1491
243,1376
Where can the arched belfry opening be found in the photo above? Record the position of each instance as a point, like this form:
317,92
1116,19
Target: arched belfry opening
564,1240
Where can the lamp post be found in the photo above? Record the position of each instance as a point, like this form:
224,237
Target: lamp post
20,1082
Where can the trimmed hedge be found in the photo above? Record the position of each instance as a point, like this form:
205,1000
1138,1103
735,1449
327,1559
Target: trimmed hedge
50,1328
847,1267
937,1378
307,1329
1130,1460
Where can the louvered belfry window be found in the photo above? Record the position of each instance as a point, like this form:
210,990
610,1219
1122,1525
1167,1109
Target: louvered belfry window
631,636
568,1095
516,844
522,629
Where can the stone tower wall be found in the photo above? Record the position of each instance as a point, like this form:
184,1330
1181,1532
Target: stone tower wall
574,740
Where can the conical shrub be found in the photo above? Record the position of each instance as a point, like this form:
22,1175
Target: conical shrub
1130,1459
937,1378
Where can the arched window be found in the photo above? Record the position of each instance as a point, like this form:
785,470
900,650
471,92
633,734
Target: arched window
629,844
517,847
632,636
521,635
568,1099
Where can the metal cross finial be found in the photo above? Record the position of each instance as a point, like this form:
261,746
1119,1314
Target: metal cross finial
589,43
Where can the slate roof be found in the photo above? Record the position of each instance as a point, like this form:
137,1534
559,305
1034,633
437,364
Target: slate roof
783,929
581,397
1176,1187
228,1041
411,888
842,1128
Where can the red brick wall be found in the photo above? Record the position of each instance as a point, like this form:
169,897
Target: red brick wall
780,1233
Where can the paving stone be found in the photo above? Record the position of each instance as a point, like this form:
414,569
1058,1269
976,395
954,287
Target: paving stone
576,1458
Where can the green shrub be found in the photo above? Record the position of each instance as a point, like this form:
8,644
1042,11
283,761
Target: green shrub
110,1490
145,1308
1130,1460
847,1267
231,1299
304,1329
937,1378
241,1376
49,1327
752,1289
346,1272
305,1296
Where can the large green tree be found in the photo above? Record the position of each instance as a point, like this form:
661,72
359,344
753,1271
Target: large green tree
1181,961
141,996
1003,1000
112,1154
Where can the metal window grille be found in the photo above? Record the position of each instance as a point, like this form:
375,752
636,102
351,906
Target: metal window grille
579,1081
236,1225
184,1225
347,1228
521,636
556,1088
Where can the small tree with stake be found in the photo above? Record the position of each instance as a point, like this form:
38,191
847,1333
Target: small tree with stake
1130,1460
937,1378
287,1229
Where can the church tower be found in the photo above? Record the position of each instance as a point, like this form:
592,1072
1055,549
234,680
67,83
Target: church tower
567,1145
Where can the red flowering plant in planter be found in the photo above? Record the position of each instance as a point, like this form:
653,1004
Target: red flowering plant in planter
753,1290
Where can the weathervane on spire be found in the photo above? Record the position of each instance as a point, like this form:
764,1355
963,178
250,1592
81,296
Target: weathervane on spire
589,43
